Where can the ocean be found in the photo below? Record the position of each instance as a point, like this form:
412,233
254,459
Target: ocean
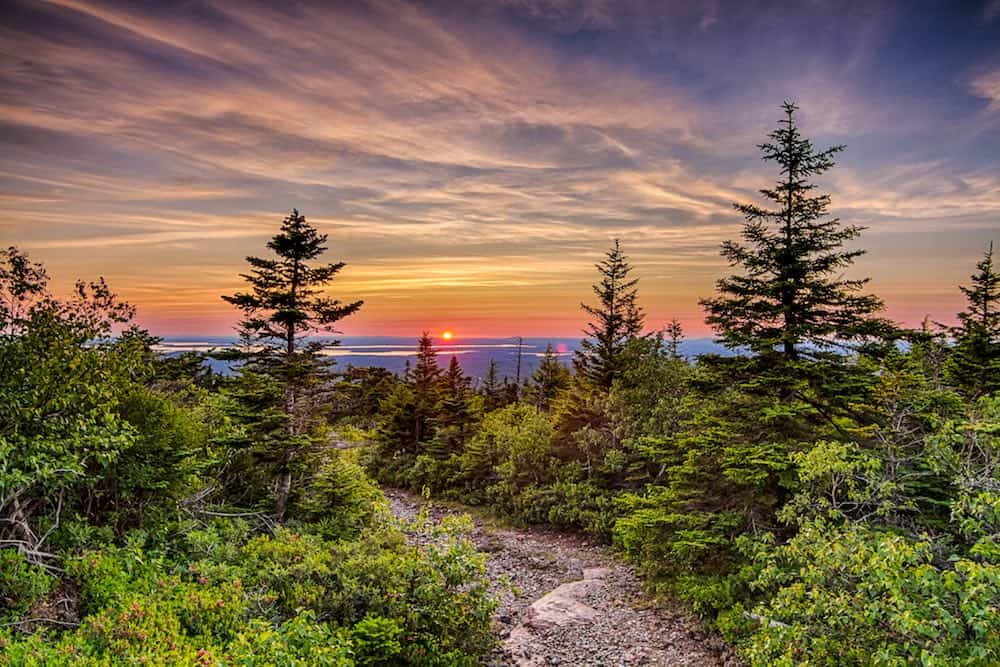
392,352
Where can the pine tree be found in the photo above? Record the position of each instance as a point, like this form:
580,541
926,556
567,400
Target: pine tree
282,309
616,319
790,296
454,420
675,336
397,427
929,351
426,384
550,378
974,363
395,444
492,389
511,391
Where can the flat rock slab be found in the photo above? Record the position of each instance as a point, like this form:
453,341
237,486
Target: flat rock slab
600,573
563,606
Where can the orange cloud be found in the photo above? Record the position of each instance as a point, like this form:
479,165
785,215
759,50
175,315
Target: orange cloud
461,164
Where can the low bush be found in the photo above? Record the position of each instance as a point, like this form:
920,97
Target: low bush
852,595
22,584
231,597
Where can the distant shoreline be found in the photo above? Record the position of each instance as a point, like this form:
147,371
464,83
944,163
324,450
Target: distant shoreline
392,352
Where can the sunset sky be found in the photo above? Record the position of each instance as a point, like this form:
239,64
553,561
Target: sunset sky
471,161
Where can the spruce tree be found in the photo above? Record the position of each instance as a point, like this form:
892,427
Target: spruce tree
974,363
397,427
550,378
617,319
283,307
454,420
674,334
511,391
790,297
426,384
492,390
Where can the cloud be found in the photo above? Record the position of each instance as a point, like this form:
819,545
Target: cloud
150,238
987,86
487,155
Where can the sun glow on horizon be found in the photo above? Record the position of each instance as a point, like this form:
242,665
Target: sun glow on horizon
447,335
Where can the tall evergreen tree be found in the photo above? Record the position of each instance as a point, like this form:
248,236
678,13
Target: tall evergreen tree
790,296
617,319
426,383
674,334
282,309
492,389
454,420
974,363
983,297
549,378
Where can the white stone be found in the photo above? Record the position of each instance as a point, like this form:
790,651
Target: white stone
600,573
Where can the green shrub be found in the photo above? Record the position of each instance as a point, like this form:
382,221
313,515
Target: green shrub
376,641
290,598
853,595
300,641
22,584
340,500
160,465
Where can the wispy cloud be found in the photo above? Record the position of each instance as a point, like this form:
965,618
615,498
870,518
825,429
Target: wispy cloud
987,87
484,158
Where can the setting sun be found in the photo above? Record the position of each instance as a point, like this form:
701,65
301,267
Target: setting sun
447,335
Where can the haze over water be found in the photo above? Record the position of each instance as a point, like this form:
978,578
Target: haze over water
392,352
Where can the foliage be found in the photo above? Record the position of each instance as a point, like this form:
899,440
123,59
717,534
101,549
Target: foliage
494,390
121,536
617,318
853,596
549,379
790,296
974,363
283,307
166,458
22,584
823,495
63,384
381,601
340,500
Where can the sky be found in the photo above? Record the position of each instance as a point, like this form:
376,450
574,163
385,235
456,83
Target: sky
471,161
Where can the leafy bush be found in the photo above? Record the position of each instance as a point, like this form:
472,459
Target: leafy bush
376,640
340,499
161,464
853,595
22,584
292,596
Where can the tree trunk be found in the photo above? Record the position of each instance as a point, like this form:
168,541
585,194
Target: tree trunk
283,480
283,485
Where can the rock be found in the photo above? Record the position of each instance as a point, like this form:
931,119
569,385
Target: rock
563,606
600,573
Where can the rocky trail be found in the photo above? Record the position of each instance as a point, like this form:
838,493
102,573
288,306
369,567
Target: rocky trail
568,601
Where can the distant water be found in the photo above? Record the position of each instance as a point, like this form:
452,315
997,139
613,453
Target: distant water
390,352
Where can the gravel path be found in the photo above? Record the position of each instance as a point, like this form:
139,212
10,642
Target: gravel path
606,620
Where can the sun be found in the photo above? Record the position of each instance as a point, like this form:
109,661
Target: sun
447,335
